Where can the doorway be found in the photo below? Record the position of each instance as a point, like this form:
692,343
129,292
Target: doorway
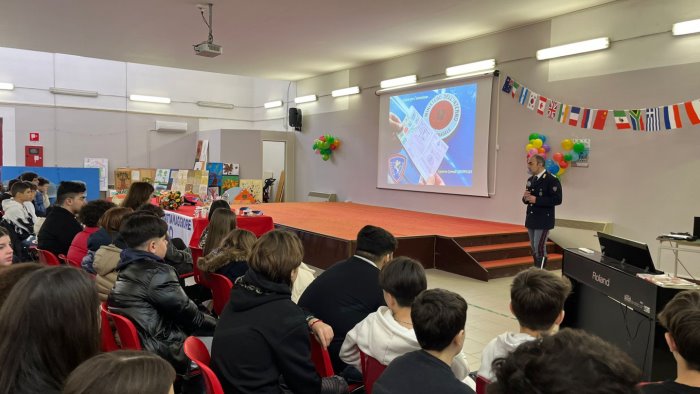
274,163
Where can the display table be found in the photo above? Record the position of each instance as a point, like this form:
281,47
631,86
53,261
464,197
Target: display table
675,246
182,224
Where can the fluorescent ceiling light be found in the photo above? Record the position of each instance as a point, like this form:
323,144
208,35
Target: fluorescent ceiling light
73,92
305,99
150,99
390,83
595,44
687,27
213,104
346,91
273,104
471,68
7,86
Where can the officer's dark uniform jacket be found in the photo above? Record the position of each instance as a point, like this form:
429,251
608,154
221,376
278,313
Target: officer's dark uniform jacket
547,190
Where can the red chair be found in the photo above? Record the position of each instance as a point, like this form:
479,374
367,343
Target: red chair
481,383
48,258
126,330
196,254
107,336
197,352
323,364
220,287
67,261
371,369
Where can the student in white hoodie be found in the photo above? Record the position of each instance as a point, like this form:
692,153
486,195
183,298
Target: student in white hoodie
388,333
537,301
15,210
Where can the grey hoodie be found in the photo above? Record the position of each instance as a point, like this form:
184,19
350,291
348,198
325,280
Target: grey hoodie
500,347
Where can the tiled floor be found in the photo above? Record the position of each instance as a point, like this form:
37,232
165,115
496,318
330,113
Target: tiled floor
488,314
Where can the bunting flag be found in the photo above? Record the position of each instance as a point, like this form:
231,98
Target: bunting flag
652,119
692,108
573,117
636,119
672,117
541,105
600,117
621,121
534,98
667,117
586,118
524,92
508,85
552,109
563,114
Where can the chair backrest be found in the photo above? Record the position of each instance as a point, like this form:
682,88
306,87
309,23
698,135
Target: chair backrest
107,336
220,287
371,369
126,330
321,358
48,258
67,261
481,383
197,352
196,254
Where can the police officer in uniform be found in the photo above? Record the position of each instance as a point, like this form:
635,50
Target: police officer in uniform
542,194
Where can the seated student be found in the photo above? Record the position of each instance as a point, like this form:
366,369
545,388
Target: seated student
6,251
6,195
570,361
537,301
49,324
122,372
89,216
9,276
178,254
348,291
147,291
17,218
138,194
230,258
41,201
214,206
223,221
681,319
388,332
61,225
30,204
438,319
262,335
107,233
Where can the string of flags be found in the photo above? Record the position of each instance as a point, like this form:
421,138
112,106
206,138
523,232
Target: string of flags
667,117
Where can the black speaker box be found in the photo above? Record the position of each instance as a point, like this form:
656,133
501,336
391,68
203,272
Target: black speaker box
295,118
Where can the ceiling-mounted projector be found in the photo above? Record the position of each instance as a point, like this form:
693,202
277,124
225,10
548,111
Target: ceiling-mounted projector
207,48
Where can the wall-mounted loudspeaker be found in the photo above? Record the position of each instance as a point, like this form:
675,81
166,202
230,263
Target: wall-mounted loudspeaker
295,118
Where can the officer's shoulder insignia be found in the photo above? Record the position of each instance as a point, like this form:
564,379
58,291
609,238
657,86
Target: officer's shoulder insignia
554,188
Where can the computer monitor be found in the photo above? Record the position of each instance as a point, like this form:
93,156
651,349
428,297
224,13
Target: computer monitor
626,251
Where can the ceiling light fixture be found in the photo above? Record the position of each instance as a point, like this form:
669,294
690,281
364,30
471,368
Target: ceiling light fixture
482,66
687,27
346,91
305,99
73,92
213,104
150,99
7,86
273,104
574,48
390,83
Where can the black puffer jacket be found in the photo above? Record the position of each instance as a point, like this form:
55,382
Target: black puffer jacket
147,291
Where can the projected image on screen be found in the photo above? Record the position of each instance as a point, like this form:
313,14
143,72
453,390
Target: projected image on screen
436,140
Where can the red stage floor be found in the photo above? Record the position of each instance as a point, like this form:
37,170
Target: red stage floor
344,220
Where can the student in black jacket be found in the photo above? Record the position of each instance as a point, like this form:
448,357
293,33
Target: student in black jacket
262,337
346,293
61,225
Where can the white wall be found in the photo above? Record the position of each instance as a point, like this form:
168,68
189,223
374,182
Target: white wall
644,183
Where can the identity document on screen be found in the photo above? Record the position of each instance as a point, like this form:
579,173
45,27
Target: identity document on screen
436,140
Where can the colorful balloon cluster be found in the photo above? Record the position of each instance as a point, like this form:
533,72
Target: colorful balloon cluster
559,162
325,145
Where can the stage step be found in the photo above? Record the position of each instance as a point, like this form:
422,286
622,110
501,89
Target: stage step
489,239
511,266
501,251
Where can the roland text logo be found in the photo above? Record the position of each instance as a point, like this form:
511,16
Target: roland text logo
601,279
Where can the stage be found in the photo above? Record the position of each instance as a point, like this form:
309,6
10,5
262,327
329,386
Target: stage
474,248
